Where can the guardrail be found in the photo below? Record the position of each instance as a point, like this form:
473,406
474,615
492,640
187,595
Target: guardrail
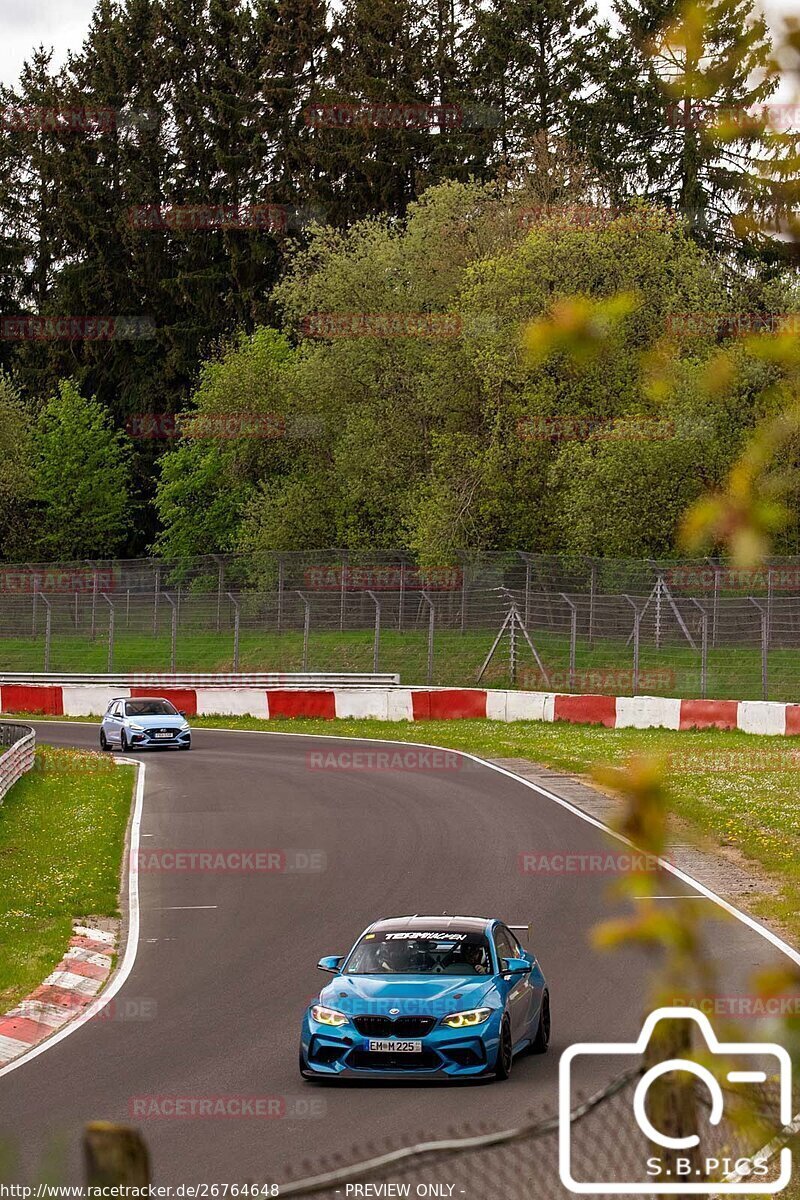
272,679
18,758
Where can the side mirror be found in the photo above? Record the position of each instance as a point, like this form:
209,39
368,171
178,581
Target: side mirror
182,714
514,966
330,963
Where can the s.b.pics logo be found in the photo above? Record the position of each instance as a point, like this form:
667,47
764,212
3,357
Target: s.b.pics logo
677,1138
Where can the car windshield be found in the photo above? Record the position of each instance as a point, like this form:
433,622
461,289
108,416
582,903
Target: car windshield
423,952
150,708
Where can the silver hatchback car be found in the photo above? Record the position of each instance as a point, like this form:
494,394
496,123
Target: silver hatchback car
143,722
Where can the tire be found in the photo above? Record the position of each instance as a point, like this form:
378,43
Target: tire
104,740
123,742
542,1040
505,1052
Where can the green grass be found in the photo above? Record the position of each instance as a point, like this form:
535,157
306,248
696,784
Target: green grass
62,831
733,672
736,790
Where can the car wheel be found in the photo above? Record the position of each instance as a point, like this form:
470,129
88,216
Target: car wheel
123,742
505,1052
103,740
542,1040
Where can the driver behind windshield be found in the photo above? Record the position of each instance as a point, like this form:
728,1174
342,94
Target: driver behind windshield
421,954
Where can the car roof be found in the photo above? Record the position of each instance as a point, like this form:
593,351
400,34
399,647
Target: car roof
444,922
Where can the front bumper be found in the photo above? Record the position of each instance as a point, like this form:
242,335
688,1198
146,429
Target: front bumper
148,740
343,1053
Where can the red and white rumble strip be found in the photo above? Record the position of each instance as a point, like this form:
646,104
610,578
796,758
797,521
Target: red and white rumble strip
66,992
412,704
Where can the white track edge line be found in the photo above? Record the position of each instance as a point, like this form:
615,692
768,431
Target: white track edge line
120,976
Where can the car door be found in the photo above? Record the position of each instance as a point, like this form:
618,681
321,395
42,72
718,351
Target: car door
520,996
535,981
112,723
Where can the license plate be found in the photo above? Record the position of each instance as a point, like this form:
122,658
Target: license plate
389,1047
163,735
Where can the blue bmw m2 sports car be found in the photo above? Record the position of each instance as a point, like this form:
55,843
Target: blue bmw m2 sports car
427,997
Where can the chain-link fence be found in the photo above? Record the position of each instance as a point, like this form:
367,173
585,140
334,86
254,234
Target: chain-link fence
615,627
601,1145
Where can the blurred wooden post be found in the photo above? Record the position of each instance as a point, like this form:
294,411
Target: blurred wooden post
114,1154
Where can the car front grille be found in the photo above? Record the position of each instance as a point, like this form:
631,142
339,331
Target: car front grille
368,1060
402,1027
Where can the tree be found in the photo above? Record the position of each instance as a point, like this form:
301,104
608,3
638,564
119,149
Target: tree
82,479
15,468
533,64
234,436
712,64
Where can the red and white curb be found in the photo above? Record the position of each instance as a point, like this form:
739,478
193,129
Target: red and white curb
66,992
413,704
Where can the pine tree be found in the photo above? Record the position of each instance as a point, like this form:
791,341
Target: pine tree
711,64
533,64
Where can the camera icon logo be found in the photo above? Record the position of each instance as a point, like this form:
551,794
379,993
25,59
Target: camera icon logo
694,1173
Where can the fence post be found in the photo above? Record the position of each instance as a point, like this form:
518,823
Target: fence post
431,622
173,631
156,594
377,643
77,618
48,628
769,605
110,604
400,614
636,622
764,647
220,588
715,609
94,602
527,591
343,593
463,594
280,593
703,649
236,620
128,609
573,637
306,629
592,598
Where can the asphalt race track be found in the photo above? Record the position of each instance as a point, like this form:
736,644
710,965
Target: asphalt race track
216,993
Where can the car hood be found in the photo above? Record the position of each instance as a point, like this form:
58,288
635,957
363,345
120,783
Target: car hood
412,994
162,722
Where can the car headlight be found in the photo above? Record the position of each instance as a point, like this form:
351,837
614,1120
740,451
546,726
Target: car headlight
184,727
136,728
328,1016
464,1020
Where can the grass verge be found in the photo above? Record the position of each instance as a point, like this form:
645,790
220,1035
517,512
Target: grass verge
62,833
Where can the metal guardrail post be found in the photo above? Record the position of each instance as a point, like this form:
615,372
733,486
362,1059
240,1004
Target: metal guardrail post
764,647
111,614
306,629
573,637
431,624
377,641
173,631
236,621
